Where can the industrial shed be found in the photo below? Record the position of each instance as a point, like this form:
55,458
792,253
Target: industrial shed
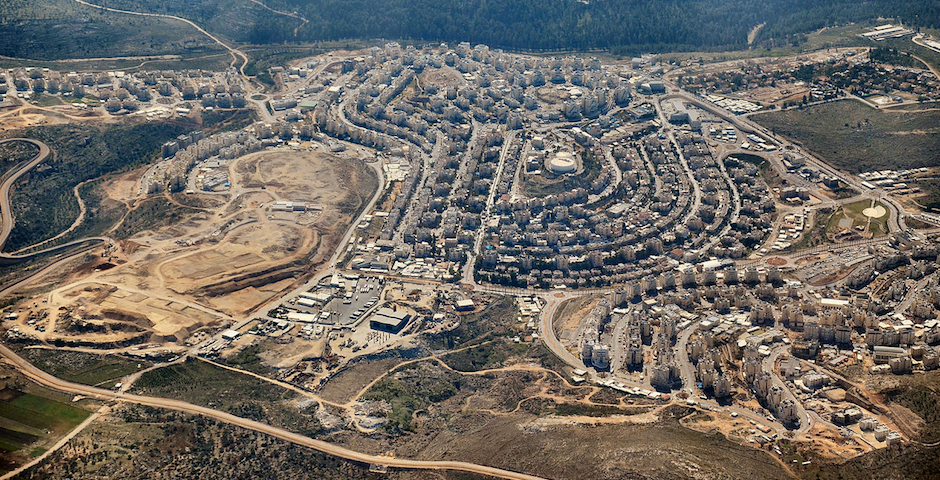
388,320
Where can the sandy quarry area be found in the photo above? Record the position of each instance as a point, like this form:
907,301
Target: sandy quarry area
15,118
217,264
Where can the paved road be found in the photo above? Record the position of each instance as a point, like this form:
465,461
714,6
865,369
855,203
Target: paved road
551,341
919,39
19,171
491,196
237,55
748,126
745,124
50,381
674,145
686,370
806,422
611,187
548,332
6,209
735,205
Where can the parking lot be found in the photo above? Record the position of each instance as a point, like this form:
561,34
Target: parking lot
361,296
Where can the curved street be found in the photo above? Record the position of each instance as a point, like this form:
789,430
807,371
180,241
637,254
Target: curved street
687,372
6,210
554,298
5,188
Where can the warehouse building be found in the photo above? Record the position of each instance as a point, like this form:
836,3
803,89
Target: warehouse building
884,354
464,305
389,320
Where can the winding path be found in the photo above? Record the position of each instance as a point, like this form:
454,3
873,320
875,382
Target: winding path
82,210
551,341
6,212
236,53
50,381
6,209
303,21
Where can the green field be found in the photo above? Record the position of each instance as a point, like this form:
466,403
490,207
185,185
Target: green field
857,138
81,367
39,412
138,442
13,440
27,419
851,217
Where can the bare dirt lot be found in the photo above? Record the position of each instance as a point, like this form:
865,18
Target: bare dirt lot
224,259
657,450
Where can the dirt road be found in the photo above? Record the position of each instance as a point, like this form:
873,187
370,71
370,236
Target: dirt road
50,381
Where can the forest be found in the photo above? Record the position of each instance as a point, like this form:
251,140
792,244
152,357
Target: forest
618,26
49,29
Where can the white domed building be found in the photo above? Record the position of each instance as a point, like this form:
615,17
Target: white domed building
562,163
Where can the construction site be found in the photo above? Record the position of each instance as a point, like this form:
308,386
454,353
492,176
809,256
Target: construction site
161,286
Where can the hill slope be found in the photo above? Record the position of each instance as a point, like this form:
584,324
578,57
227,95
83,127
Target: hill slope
63,28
